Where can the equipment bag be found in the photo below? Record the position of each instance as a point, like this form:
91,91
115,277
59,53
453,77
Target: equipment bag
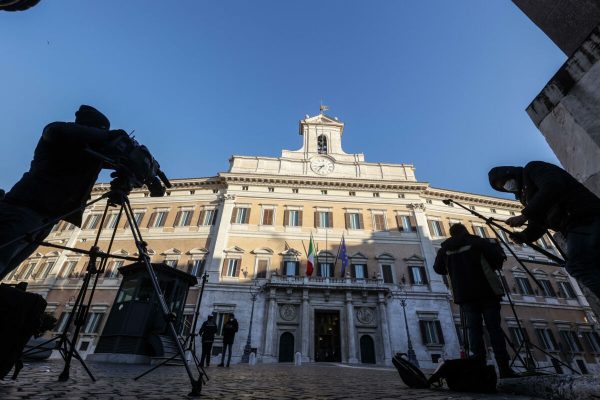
466,375
409,373
20,317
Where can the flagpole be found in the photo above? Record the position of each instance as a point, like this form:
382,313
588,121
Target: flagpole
337,256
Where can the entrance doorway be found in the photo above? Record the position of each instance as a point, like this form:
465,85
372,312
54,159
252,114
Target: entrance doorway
327,336
286,347
367,350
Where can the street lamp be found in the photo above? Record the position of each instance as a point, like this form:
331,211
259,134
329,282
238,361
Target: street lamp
412,357
255,289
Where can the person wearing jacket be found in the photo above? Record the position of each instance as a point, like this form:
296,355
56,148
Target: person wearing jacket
60,180
470,262
207,332
555,200
229,330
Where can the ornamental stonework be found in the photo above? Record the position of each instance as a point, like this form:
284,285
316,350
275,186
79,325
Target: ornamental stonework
365,315
288,312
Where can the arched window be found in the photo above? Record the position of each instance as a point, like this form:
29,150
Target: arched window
322,144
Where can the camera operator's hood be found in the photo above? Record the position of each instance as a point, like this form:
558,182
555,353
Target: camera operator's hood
499,175
89,116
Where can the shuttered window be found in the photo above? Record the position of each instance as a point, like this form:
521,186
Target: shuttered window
240,215
261,269
267,217
292,218
378,222
436,228
231,267
354,221
406,223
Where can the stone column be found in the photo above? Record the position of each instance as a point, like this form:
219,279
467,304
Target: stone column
270,325
219,243
436,282
351,329
305,327
384,327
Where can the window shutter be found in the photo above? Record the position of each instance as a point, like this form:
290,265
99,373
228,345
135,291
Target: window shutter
318,266
190,265
299,217
214,218
423,332
282,268
247,216
399,223
352,271
330,219
316,219
361,222
332,270
474,229
366,271
424,275
413,223
486,232
286,218
347,220
224,267
87,221
238,268
234,214
552,339
107,218
438,328
201,217
297,268
151,220
177,218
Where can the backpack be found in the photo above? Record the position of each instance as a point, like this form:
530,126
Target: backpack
466,375
409,373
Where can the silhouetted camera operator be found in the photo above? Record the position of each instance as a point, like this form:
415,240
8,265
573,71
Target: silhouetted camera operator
65,166
554,200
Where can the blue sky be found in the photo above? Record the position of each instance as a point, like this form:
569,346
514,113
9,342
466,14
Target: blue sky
441,84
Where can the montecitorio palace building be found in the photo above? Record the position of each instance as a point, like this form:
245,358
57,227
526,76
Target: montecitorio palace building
248,228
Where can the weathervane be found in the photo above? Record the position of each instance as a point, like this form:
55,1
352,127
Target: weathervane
323,107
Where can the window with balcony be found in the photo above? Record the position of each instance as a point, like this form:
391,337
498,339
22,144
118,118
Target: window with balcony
325,269
261,268
359,271
291,268
386,273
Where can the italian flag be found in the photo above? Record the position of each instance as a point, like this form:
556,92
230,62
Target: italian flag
310,265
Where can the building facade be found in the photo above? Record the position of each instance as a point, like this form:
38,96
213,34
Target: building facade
249,229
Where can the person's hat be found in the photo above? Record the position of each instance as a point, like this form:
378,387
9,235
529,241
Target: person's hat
89,116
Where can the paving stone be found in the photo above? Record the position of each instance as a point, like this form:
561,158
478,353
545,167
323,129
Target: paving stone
262,381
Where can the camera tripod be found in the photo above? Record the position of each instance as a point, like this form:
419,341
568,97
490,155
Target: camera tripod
117,196
529,363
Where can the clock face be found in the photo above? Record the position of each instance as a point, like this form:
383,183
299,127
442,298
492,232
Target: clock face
321,165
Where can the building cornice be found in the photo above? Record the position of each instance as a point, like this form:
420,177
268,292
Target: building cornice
471,198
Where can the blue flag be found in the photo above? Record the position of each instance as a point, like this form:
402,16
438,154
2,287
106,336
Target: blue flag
343,257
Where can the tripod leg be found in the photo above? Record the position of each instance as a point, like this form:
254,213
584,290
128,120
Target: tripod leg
156,366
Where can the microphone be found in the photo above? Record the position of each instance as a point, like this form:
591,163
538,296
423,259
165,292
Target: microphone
447,201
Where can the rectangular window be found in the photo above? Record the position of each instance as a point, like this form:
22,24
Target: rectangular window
158,219
44,270
28,270
431,332
360,271
480,231
571,340
418,275
406,223
354,220
207,217
517,335
567,290
524,286
171,263
325,269
267,217
261,269
196,267
67,269
92,221
386,271
69,227
62,322
113,270
220,319
435,228
323,219
378,222
593,340
546,339
138,216
183,218
111,221
93,322
290,268
241,215
548,289
292,218
232,267
504,236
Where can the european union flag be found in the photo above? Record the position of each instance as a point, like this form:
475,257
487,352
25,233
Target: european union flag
343,256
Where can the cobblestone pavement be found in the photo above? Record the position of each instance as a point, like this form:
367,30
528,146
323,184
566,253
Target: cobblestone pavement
269,381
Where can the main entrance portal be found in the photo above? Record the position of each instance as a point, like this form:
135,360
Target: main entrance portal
327,336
